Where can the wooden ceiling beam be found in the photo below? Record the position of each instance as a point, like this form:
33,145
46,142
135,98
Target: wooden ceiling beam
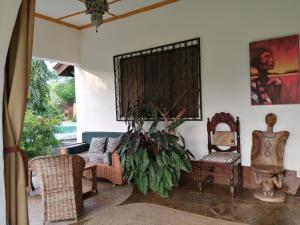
114,1
134,12
113,15
70,15
44,17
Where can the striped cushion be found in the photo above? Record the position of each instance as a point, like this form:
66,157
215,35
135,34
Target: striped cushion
222,157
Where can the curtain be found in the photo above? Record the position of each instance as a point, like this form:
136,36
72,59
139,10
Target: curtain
17,71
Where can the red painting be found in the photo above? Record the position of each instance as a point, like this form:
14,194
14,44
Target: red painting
274,71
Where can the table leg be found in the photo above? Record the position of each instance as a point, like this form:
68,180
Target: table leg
200,177
232,181
94,179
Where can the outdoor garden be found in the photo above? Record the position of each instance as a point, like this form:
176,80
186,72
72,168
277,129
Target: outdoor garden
48,122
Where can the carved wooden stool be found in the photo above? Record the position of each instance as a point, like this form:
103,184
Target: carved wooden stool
267,161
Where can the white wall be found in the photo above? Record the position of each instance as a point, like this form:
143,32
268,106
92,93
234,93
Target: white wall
56,42
225,29
8,13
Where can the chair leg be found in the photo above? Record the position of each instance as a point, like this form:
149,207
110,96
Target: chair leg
240,176
200,177
211,170
232,181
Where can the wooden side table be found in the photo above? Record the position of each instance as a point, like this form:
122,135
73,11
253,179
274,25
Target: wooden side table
298,195
92,167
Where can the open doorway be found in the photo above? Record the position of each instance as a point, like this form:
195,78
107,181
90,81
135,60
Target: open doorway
50,118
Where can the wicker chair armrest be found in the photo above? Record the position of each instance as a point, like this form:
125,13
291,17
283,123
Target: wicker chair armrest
117,169
73,149
116,162
78,167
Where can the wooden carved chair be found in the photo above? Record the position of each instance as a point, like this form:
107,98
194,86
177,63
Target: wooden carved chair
224,156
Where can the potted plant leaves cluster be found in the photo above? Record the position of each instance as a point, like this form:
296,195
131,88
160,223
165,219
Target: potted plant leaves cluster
152,153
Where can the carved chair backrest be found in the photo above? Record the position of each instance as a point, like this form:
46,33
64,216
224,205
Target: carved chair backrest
229,138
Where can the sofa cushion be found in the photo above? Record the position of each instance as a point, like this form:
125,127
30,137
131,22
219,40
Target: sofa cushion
222,157
97,145
95,157
85,156
113,143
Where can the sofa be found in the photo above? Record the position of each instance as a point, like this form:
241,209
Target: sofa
111,169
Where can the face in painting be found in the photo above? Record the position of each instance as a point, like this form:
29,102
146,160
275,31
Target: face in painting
266,61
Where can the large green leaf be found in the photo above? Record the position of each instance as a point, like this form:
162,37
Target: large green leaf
168,178
176,124
152,178
160,161
140,124
187,164
153,127
180,148
127,137
172,138
134,142
165,157
130,177
142,183
137,156
159,174
176,176
182,140
161,190
162,140
144,161
123,162
178,161
130,165
189,154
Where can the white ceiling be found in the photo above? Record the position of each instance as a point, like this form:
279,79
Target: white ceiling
56,9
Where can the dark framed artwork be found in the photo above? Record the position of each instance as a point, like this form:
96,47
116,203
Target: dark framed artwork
163,76
274,71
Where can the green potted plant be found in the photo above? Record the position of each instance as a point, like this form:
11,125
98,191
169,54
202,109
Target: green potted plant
153,154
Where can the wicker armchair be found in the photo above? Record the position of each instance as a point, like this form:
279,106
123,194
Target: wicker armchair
111,172
61,185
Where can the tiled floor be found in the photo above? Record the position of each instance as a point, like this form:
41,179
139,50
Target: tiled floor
108,195
216,202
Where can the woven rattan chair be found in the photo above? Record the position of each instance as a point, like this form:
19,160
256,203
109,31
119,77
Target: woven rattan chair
61,186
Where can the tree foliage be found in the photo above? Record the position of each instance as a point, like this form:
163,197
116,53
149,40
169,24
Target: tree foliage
38,93
65,91
41,117
38,134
